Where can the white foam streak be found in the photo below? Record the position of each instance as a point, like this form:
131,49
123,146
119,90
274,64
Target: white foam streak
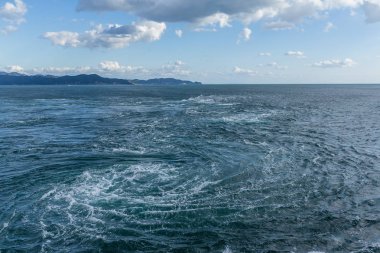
49,193
227,250
247,117
201,100
215,100
139,151
6,224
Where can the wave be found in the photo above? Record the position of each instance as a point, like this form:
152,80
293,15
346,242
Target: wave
6,224
227,250
217,100
249,117
151,172
138,151
103,199
202,100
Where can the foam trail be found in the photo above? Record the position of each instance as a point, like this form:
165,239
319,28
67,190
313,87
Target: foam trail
227,250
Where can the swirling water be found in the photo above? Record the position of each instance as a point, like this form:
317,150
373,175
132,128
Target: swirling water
190,169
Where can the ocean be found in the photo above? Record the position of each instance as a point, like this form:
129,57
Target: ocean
211,168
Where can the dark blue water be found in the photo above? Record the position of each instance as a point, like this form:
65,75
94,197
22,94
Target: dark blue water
190,169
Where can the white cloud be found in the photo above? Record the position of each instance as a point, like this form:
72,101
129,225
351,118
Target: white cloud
274,65
245,35
203,29
208,15
110,66
14,68
372,10
51,70
267,54
253,15
179,63
179,33
298,54
279,25
297,10
218,19
335,63
13,14
61,70
176,69
243,71
112,36
329,26
63,38
222,12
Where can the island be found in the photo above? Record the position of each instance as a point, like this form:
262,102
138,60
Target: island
164,81
82,79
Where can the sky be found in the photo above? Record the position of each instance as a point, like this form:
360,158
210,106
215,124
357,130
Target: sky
212,41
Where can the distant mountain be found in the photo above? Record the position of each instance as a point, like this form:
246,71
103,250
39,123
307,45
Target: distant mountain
164,81
22,79
11,74
10,79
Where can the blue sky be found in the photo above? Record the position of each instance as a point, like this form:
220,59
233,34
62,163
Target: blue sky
213,41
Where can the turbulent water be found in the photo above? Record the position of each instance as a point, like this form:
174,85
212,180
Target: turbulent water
190,169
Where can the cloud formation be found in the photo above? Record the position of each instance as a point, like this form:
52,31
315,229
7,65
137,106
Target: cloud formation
61,70
279,25
13,15
203,15
244,71
372,11
179,33
245,35
274,65
335,63
112,36
298,54
222,12
329,26
262,54
218,19
110,68
14,68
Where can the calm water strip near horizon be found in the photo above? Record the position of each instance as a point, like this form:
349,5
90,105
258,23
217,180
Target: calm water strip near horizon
231,168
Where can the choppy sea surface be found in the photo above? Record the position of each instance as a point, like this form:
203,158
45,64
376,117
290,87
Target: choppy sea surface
190,169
